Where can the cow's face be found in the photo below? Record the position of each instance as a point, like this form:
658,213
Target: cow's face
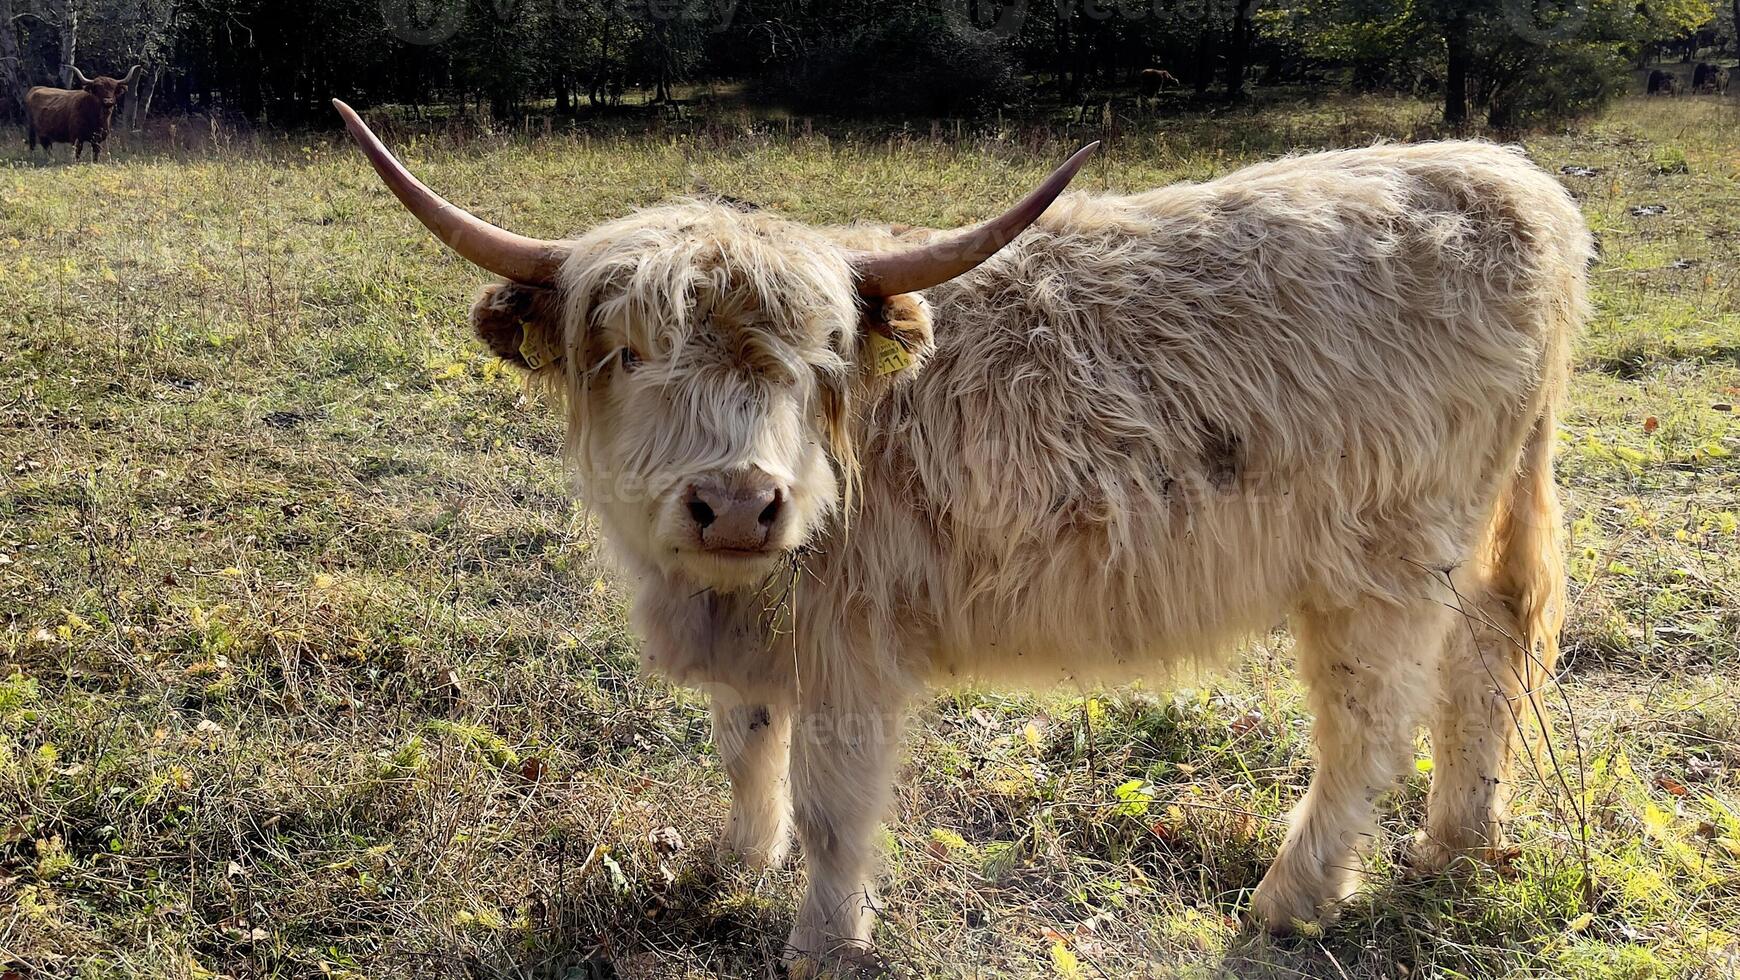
108,91
709,361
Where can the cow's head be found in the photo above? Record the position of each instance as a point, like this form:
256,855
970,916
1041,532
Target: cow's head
710,359
107,90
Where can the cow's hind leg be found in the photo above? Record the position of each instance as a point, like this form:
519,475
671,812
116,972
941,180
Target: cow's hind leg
1369,672
753,736
1483,708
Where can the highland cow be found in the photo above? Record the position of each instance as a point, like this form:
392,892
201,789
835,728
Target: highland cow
77,116
841,464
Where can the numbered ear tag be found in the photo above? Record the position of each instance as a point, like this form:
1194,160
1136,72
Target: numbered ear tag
888,354
536,349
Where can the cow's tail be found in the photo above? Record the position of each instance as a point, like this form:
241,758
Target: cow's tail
1528,565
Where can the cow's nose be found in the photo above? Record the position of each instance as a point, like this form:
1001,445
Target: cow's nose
737,512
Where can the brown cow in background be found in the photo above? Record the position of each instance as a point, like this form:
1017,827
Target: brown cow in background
1154,81
77,116
1663,83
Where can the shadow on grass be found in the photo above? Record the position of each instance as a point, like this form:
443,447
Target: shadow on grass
707,920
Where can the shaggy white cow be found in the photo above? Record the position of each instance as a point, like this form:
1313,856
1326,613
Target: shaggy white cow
1320,389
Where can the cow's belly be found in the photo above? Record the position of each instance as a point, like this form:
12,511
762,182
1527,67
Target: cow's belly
1166,595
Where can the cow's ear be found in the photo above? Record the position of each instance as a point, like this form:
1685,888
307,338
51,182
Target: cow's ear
520,324
895,338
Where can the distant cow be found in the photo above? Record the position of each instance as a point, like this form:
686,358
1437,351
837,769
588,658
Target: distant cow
77,116
1709,78
1154,81
1113,446
1663,83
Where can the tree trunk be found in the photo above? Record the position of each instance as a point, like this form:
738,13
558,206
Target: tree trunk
11,65
1456,71
1204,66
142,101
69,46
1239,52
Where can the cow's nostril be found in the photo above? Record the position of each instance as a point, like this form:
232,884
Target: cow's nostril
703,514
770,513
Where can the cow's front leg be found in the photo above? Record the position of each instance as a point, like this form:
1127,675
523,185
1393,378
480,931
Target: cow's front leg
753,736
843,759
1370,673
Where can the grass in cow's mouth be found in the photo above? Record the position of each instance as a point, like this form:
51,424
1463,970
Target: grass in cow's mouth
308,665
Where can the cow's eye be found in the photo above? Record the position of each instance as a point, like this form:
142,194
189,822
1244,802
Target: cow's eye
628,358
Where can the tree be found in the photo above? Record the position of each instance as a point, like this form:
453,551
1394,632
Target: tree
1239,50
11,58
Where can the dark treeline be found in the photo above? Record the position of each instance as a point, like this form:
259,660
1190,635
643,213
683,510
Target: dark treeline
278,61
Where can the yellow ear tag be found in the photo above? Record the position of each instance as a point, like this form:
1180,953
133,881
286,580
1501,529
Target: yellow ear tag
535,349
888,354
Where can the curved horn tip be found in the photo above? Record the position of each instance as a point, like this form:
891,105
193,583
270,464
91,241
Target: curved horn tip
890,273
531,261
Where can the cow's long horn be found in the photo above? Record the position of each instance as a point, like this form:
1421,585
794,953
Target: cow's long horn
531,261
132,76
893,273
78,76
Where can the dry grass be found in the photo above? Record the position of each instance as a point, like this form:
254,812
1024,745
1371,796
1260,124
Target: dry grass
308,665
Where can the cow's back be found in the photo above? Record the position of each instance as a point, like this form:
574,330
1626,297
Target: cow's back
1158,422
62,115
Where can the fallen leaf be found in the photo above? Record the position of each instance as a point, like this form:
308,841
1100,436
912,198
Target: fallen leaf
1671,785
666,840
448,685
533,769
1651,424
1064,962
1247,722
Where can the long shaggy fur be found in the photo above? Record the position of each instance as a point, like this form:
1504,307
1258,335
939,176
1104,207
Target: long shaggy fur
1321,389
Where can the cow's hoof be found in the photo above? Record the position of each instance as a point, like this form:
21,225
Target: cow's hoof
758,843
1283,906
832,959
1427,856
759,857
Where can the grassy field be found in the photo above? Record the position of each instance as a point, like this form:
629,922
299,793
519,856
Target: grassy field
309,667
